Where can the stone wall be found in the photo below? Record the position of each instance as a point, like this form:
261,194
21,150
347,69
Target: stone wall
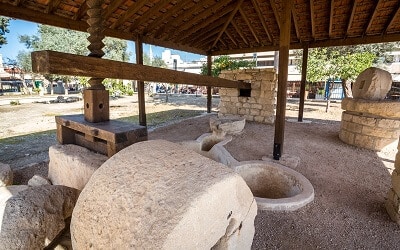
369,132
260,106
393,197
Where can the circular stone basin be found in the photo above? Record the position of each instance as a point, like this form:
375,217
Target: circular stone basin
276,187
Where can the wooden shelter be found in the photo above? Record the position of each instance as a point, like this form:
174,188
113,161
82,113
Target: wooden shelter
216,27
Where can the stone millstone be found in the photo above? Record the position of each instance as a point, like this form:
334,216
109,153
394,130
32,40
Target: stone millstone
372,84
159,195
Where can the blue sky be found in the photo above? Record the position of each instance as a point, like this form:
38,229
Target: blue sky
18,27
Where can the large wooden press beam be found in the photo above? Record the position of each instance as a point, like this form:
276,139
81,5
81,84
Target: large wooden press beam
51,62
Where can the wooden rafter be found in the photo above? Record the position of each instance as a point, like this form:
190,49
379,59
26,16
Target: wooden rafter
149,14
81,12
312,11
276,13
261,18
188,15
391,19
372,17
165,17
211,26
210,34
228,21
239,32
296,25
133,9
230,37
113,6
19,2
350,22
200,20
246,20
331,18
52,6
183,34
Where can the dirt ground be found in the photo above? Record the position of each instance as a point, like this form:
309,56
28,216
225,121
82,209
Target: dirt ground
350,183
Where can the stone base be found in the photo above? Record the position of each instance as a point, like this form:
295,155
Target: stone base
107,137
368,131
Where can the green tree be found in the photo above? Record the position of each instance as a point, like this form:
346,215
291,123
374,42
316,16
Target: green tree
226,63
4,23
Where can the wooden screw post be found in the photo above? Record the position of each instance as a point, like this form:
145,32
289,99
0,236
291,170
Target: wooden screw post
96,97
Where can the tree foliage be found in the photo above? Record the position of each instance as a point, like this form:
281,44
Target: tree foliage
4,23
226,63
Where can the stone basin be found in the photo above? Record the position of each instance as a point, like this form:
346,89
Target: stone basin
276,187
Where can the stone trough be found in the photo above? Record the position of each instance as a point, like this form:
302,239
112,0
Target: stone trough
275,186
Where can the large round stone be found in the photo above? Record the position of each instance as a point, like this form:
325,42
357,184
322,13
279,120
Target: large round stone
159,195
372,84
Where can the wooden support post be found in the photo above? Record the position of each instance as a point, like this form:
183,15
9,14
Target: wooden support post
141,100
209,95
96,98
284,42
303,83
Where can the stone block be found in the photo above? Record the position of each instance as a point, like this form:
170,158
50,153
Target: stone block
380,108
372,84
249,117
243,77
259,118
256,85
243,111
256,106
72,166
255,93
364,141
346,137
393,197
353,127
392,211
388,123
377,132
232,92
396,181
254,112
160,195
234,99
239,105
252,100
381,143
6,175
346,116
38,180
223,110
246,105
34,216
365,120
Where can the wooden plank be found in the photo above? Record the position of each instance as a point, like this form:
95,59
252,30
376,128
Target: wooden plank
113,6
391,19
331,18
51,62
372,17
249,25
141,98
350,22
239,32
275,11
129,13
312,11
303,83
284,41
153,11
261,18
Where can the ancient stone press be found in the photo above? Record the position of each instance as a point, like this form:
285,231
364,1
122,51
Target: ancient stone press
95,130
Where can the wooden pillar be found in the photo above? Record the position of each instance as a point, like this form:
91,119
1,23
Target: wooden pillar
141,100
96,97
303,83
284,42
209,95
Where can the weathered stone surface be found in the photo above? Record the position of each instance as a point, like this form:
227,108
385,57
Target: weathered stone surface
159,195
381,108
5,194
34,216
227,125
372,84
72,165
6,175
38,180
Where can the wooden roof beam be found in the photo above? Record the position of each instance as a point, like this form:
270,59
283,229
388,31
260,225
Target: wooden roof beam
246,20
165,17
19,2
239,32
228,21
149,14
312,11
211,27
276,13
206,23
81,12
331,18
133,9
51,62
296,24
200,39
52,6
350,22
391,19
113,6
372,17
261,18
231,38
199,7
